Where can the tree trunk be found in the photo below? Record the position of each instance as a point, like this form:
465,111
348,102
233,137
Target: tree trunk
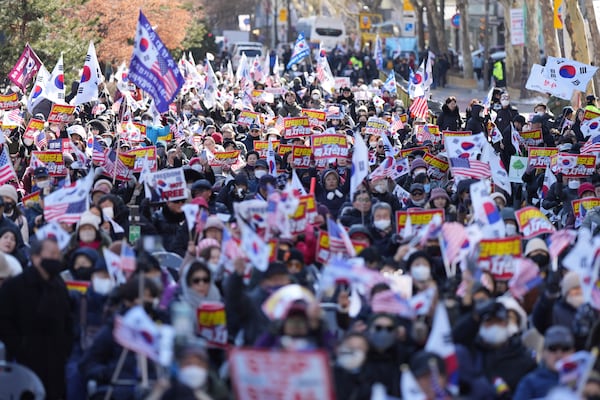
462,6
550,37
514,54
420,24
436,28
533,33
595,36
574,25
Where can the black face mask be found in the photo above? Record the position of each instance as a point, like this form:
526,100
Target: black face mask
542,260
8,208
150,309
52,267
82,274
434,251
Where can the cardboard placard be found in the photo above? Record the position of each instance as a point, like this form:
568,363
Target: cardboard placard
53,160
166,185
418,217
61,113
296,127
532,222
539,157
573,165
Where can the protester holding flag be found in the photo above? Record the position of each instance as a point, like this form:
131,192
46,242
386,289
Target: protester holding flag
450,119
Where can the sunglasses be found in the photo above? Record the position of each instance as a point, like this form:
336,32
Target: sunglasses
557,347
180,201
417,193
379,328
196,281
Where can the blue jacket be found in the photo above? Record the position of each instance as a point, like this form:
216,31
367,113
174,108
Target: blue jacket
536,384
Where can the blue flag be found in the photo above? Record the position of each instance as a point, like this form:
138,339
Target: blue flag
152,68
301,50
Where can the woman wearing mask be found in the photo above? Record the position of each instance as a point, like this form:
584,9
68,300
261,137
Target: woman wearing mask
348,372
381,192
193,379
88,234
14,212
113,209
382,228
209,250
81,264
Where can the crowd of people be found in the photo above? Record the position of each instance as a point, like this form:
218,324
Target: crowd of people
60,302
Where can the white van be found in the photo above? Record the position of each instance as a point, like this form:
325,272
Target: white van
327,30
251,49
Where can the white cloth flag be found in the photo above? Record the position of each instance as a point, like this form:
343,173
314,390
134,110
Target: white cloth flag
210,87
499,174
360,163
90,78
55,87
569,72
539,82
39,89
485,211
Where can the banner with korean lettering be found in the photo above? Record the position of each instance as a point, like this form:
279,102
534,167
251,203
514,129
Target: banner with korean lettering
9,101
296,127
261,147
212,324
539,157
532,222
328,145
283,149
316,117
34,128
225,158
437,166
573,165
496,256
247,118
376,126
166,185
418,217
301,156
405,152
268,374
53,160
581,208
305,214
533,137
61,113
140,154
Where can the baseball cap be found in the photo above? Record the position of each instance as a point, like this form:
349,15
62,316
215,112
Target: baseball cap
558,335
40,172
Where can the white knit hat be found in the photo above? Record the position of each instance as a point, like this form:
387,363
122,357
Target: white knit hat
89,218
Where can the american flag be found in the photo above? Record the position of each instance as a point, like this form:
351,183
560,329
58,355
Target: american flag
339,241
68,203
453,240
98,155
419,107
559,241
392,303
7,172
13,117
113,164
397,123
591,146
470,168
41,141
165,74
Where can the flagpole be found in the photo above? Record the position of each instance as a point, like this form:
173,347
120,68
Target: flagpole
586,373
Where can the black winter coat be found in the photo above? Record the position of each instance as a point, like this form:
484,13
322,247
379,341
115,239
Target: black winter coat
173,230
449,120
36,327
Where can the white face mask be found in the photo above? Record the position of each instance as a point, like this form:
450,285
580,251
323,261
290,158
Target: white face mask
420,202
574,184
494,334
513,329
259,174
511,230
108,212
575,300
382,224
43,184
240,192
540,113
420,272
87,235
350,360
504,103
102,285
315,97
193,376
381,187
